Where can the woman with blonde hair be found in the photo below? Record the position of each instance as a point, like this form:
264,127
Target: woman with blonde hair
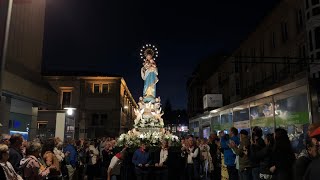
6,170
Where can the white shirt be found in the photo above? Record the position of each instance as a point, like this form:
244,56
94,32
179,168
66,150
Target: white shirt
163,155
93,156
113,162
192,155
10,172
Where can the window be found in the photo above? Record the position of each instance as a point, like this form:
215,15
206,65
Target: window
308,15
299,20
317,37
304,54
314,2
307,4
95,119
89,88
310,41
316,11
66,99
105,88
96,88
236,66
284,31
103,119
273,39
253,55
237,87
262,49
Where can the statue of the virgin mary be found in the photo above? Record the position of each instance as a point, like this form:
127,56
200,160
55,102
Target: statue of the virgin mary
149,73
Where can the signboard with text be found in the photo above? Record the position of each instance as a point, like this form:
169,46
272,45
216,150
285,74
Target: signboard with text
212,101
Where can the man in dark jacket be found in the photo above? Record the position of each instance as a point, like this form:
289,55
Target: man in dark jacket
214,155
305,158
242,151
15,154
257,144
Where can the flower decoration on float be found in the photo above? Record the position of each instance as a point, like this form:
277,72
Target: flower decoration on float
149,49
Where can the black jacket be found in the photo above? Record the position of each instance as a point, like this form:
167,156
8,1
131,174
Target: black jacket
15,158
300,166
255,161
313,172
156,158
265,158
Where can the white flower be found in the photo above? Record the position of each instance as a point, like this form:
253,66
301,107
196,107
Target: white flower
141,136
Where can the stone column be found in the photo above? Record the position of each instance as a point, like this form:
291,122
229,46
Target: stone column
33,127
4,114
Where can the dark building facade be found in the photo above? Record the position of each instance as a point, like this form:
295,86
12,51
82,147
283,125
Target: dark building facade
103,104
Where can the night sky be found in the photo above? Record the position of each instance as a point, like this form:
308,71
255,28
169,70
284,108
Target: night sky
106,36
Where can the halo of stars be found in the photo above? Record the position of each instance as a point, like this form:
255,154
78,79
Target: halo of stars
149,49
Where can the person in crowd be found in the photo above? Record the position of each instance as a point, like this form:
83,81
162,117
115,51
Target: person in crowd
312,172
32,168
161,160
24,148
15,153
107,155
312,128
217,166
5,139
205,157
213,152
229,156
305,158
257,144
71,156
242,151
93,154
114,169
6,169
192,154
265,158
58,149
282,156
141,159
82,148
50,160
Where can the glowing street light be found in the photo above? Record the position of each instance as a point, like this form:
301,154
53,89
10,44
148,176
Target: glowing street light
70,110
126,107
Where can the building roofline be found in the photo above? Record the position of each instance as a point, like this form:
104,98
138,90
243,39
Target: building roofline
128,91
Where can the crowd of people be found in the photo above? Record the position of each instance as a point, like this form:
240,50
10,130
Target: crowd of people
52,159
233,155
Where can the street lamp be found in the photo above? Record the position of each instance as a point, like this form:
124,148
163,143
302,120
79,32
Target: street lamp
70,110
126,107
